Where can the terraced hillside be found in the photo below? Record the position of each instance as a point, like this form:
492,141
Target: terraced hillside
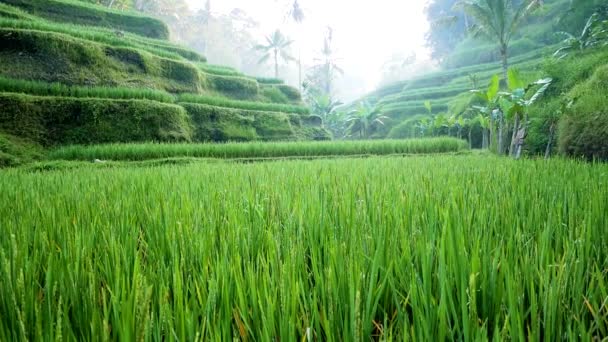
447,90
471,65
77,73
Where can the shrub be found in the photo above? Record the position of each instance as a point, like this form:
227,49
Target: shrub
583,132
91,15
15,151
60,120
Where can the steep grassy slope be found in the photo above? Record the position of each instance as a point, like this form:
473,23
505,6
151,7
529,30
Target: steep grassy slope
85,14
63,81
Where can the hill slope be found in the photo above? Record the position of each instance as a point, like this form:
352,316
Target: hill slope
73,73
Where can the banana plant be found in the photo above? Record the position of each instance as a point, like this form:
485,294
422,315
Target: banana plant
515,104
594,34
487,110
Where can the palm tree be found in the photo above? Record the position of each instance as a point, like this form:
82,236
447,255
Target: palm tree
364,120
277,45
499,20
326,67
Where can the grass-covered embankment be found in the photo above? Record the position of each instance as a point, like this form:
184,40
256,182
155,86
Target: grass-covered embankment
259,149
428,249
78,12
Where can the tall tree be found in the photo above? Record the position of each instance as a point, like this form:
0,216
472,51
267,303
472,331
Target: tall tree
499,20
326,68
276,47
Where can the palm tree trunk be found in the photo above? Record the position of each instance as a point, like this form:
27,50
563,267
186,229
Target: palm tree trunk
550,142
111,4
504,55
300,70
470,140
521,136
276,63
514,135
501,127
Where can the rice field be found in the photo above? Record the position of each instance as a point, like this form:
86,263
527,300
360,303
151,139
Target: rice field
418,248
147,151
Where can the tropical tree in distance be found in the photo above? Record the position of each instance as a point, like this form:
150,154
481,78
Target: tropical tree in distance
276,47
499,20
364,120
326,67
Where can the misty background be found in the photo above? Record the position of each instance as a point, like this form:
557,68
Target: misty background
370,42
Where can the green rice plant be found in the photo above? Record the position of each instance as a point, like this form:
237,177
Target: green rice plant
259,149
419,248
249,105
57,89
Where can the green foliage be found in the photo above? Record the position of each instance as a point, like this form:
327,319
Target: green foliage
11,12
265,80
235,86
58,89
54,57
229,124
16,151
273,94
594,34
136,152
290,92
57,120
219,70
249,105
106,36
407,129
91,15
583,132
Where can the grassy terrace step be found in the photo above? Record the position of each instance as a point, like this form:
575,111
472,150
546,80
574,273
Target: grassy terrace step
63,120
442,77
136,152
56,57
249,105
106,36
53,120
61,90
91,15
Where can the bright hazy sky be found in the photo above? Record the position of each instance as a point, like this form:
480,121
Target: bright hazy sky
366,33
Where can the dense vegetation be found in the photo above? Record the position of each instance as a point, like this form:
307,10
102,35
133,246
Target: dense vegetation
75,73
441,248
259,150
146,194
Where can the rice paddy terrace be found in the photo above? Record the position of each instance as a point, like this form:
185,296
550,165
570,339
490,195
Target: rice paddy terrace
73,73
